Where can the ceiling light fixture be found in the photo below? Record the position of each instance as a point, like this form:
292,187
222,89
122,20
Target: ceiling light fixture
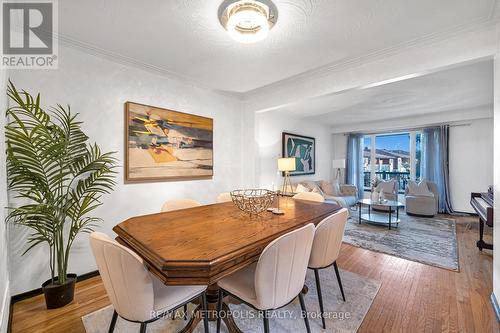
248,21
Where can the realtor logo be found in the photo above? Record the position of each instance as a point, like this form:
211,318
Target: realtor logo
28,34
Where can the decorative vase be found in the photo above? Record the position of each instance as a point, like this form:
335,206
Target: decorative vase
58,295
374,196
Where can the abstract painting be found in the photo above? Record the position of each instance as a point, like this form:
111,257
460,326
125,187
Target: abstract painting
303,148
162,144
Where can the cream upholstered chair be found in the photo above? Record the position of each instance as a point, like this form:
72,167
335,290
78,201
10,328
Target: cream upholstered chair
276,279
224,197
136,294
390,190
326,249
311,196
177,204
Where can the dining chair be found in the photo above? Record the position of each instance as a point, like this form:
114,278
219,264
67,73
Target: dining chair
136,294
311,196
177,204
224,197
326,248
276,279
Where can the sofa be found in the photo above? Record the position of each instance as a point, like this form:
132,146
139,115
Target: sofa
343,194
422,205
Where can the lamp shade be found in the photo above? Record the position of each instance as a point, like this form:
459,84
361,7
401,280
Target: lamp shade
286,164
339,164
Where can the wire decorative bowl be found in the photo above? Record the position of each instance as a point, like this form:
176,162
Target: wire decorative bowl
253,201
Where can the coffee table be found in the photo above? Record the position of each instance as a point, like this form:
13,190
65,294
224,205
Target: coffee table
390,204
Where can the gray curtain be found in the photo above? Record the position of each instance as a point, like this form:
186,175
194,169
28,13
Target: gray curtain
354,162
435,163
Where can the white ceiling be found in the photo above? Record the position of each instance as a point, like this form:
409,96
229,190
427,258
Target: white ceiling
460,88
184,37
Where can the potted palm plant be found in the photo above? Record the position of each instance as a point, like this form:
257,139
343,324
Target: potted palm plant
59,179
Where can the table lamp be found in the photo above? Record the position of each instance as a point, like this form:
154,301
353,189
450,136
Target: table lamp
286,165
338,164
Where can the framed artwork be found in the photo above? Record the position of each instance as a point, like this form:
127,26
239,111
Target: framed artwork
303,148
164,145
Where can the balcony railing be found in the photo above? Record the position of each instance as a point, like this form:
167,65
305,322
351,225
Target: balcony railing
401,177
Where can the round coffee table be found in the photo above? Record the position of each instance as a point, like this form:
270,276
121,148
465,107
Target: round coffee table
368,217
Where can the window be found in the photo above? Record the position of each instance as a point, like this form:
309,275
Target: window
392,156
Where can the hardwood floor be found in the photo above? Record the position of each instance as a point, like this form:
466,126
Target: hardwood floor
413,297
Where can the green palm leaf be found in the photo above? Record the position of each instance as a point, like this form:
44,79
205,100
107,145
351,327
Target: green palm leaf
62,177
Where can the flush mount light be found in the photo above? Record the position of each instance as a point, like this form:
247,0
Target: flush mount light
248,21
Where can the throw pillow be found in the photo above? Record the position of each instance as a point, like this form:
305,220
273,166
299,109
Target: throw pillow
328,188
386,186
301,188
316,189
420,189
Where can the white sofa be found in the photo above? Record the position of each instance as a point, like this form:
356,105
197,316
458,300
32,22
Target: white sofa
343,194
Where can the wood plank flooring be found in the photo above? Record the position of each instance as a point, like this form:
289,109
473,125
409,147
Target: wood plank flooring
413,297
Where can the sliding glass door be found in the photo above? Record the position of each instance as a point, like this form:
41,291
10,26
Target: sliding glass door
392,156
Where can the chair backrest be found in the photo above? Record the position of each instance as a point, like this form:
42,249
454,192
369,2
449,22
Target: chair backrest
127,282
388,186
282,267
224,197
177,204
328,239
311,196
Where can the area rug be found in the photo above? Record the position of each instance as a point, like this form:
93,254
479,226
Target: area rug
432,241
342,317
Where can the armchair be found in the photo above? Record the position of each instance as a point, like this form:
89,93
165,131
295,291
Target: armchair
423,205
390,190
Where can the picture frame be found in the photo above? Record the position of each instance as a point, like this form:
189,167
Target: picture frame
303,148
166,145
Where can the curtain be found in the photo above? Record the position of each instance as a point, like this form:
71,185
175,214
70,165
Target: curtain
354,163
434,166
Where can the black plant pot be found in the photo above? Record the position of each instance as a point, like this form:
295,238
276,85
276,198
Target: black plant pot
58,295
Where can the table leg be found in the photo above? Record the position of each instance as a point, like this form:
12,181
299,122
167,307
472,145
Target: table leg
212,297
397,216
359,217
390,217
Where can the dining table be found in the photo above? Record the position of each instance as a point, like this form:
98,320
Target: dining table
201,245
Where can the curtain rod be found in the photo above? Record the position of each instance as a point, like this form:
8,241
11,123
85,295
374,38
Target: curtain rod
402,130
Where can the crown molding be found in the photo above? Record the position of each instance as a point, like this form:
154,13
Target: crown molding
132,62
344,64
421,120
486,23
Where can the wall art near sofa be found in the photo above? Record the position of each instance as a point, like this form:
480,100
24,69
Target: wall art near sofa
303,148
163,145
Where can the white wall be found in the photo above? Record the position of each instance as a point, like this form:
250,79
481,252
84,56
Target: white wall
471,157
4,265
471,161
496,230
269,127
97,88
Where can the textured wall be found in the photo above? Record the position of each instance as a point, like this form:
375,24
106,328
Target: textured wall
97,88
269,127
4,269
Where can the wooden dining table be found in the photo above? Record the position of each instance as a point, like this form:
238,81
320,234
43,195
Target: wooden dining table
201,245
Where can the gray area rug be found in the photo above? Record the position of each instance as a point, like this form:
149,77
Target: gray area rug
340,317
432,241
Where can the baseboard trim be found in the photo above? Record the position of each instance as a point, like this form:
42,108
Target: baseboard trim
32,293
496,308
